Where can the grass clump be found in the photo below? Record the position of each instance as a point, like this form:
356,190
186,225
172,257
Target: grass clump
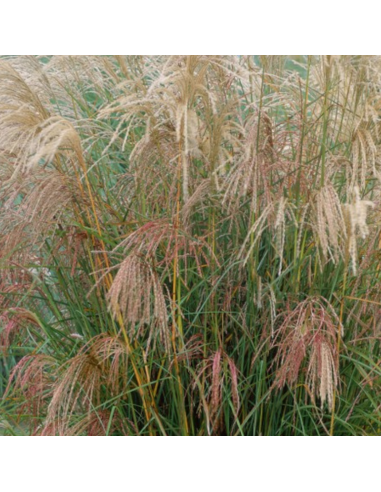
190,245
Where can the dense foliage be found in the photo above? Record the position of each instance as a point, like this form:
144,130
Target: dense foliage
190,245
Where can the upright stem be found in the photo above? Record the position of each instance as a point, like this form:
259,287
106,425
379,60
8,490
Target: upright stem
176,314
338,348
325,127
